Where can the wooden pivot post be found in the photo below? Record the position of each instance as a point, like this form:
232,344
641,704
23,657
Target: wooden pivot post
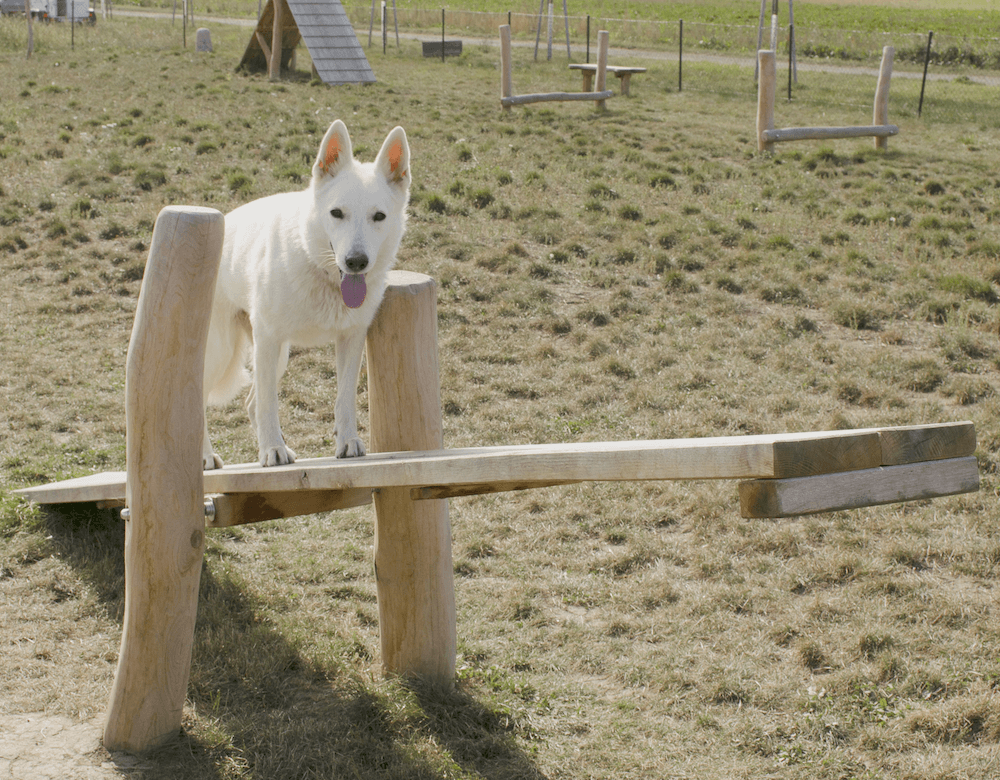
602,67
413,565
880,114
767,77
165,532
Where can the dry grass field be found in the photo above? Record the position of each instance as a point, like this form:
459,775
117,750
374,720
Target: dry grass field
642,273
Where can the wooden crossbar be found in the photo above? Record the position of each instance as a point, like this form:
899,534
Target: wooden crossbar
543,97
247,492
821,133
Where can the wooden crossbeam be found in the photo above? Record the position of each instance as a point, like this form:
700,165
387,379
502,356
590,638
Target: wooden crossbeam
854,489
247,492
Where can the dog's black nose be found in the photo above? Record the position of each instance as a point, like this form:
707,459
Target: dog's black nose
357,263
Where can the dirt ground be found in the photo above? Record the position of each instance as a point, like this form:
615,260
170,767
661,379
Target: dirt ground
44,747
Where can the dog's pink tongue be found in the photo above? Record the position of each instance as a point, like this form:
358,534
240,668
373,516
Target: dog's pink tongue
353,290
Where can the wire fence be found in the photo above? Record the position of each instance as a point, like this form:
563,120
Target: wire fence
937,77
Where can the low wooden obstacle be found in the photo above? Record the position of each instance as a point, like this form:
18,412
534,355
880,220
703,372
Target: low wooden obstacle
768,136
409,476
508,98
623,72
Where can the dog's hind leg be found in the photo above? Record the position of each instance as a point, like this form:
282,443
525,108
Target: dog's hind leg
350,348
269,360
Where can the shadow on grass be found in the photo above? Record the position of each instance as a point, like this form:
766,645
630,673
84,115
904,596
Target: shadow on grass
262,710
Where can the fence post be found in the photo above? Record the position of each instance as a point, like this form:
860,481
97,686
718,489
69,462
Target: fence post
165,532
680,56
442,35
413,563
880,113
923,83
588,39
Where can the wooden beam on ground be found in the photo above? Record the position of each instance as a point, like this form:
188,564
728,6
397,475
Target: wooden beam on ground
855,489
543,97
821,133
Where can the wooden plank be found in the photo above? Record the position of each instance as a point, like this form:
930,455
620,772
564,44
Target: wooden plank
543,97
472,471
851,490
821,133
914,443
610,68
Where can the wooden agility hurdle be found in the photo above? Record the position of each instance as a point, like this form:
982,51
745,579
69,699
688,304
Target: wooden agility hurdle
170,500
768,136
508,98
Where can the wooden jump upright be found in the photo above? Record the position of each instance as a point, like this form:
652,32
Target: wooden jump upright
768,136
508,98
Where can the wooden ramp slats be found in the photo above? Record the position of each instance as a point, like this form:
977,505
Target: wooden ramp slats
853,489
323,484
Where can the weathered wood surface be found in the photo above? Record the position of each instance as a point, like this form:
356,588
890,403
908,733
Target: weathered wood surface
457,471
854,489
820,133
623,72
414,574
164,539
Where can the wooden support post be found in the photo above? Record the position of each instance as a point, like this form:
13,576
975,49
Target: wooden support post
274,64
880,114
165,533
766,80
413,564
602,67
506,78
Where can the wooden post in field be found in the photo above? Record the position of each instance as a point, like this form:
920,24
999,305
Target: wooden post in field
274,63
767,77
506,78
413,565
165,532
602,66
880,115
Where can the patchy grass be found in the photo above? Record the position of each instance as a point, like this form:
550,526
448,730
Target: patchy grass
641,273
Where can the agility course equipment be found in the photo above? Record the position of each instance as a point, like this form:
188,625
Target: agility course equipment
328,35
508,98
767,135
409,478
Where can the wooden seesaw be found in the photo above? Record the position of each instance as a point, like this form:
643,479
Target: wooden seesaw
768,136
409,476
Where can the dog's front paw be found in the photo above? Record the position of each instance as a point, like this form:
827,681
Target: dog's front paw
211,462
276,456
352,448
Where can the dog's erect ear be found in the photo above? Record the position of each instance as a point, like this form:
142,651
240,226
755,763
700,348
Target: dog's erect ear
334,151
393,159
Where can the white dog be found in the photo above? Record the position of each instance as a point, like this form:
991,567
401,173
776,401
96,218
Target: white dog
306,268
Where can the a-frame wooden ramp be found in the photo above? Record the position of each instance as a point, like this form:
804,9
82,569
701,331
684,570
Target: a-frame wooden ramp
325,29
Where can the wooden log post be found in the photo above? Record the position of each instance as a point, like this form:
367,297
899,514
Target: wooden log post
602,67
165,532
274,62
766,80
413,563
506,77
880,114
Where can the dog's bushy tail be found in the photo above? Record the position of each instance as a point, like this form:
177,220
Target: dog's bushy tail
227,382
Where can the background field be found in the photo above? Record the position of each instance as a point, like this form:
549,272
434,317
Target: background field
642,273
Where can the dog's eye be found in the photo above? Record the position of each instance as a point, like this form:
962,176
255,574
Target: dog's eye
379,216
336,213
